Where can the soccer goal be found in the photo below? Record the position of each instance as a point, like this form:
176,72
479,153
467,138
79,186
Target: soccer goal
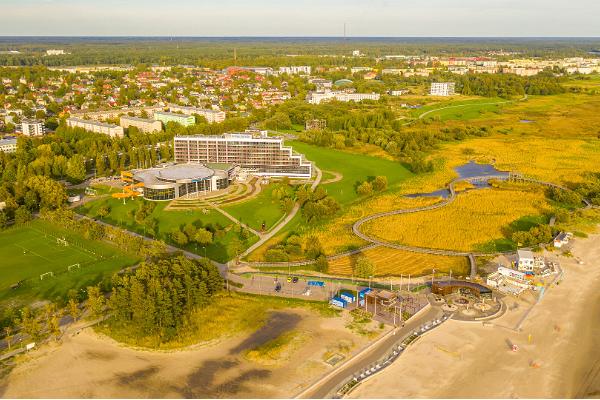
62,242
72,267
46,274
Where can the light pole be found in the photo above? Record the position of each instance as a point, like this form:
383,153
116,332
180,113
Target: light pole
432,275
370,278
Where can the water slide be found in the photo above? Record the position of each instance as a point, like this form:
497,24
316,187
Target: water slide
128,190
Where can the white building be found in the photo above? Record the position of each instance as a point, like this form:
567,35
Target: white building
392,71
562,239
296,70
211,116
354,70
143,124
398,92
511,273
32,128
8,145
321,83
318,97
442,89
260,154
525,260
95,126
55,52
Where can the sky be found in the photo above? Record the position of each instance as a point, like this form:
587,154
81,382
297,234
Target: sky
300,18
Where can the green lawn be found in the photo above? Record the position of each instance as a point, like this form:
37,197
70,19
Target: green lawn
168,221
32,249
461,110
354,167
262,208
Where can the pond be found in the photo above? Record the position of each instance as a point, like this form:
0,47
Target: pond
466,171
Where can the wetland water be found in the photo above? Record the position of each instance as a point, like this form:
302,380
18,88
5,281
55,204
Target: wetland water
466,171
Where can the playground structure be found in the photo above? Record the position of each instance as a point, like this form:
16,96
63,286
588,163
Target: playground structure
129,190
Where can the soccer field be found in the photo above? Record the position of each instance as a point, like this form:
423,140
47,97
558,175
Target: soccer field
42,248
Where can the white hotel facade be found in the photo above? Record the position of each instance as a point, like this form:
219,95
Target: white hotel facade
260,155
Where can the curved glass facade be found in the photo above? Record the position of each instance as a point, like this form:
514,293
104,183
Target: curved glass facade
159,194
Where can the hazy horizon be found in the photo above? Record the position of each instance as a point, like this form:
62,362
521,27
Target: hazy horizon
302,18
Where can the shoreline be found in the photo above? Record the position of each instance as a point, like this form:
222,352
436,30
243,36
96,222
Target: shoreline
559,346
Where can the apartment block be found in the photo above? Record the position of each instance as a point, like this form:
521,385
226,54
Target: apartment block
318,97
166,117
32,128
296,70
212,116
143,124
442,89
8,145
95,126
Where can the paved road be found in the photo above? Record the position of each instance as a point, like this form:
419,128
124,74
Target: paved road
324,387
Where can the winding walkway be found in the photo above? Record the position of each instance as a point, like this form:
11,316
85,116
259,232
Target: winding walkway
264,238
374,242
421,116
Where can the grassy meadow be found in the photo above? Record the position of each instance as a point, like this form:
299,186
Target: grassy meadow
354,167
262,208
168,221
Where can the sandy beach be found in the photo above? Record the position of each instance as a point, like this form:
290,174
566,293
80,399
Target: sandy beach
88,365
558,356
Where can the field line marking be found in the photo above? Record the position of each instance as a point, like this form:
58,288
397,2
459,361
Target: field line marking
33,252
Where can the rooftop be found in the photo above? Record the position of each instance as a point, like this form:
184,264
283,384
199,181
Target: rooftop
524,253
91,122
173,114
180,173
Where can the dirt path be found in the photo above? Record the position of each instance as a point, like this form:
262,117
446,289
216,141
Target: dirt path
89,365
336,177
474,361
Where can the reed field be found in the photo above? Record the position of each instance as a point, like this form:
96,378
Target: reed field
473,221
551,138
392,262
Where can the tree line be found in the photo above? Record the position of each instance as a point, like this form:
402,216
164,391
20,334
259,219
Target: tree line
158,298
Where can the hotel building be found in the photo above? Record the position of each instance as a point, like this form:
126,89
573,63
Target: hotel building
261,155
171,181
